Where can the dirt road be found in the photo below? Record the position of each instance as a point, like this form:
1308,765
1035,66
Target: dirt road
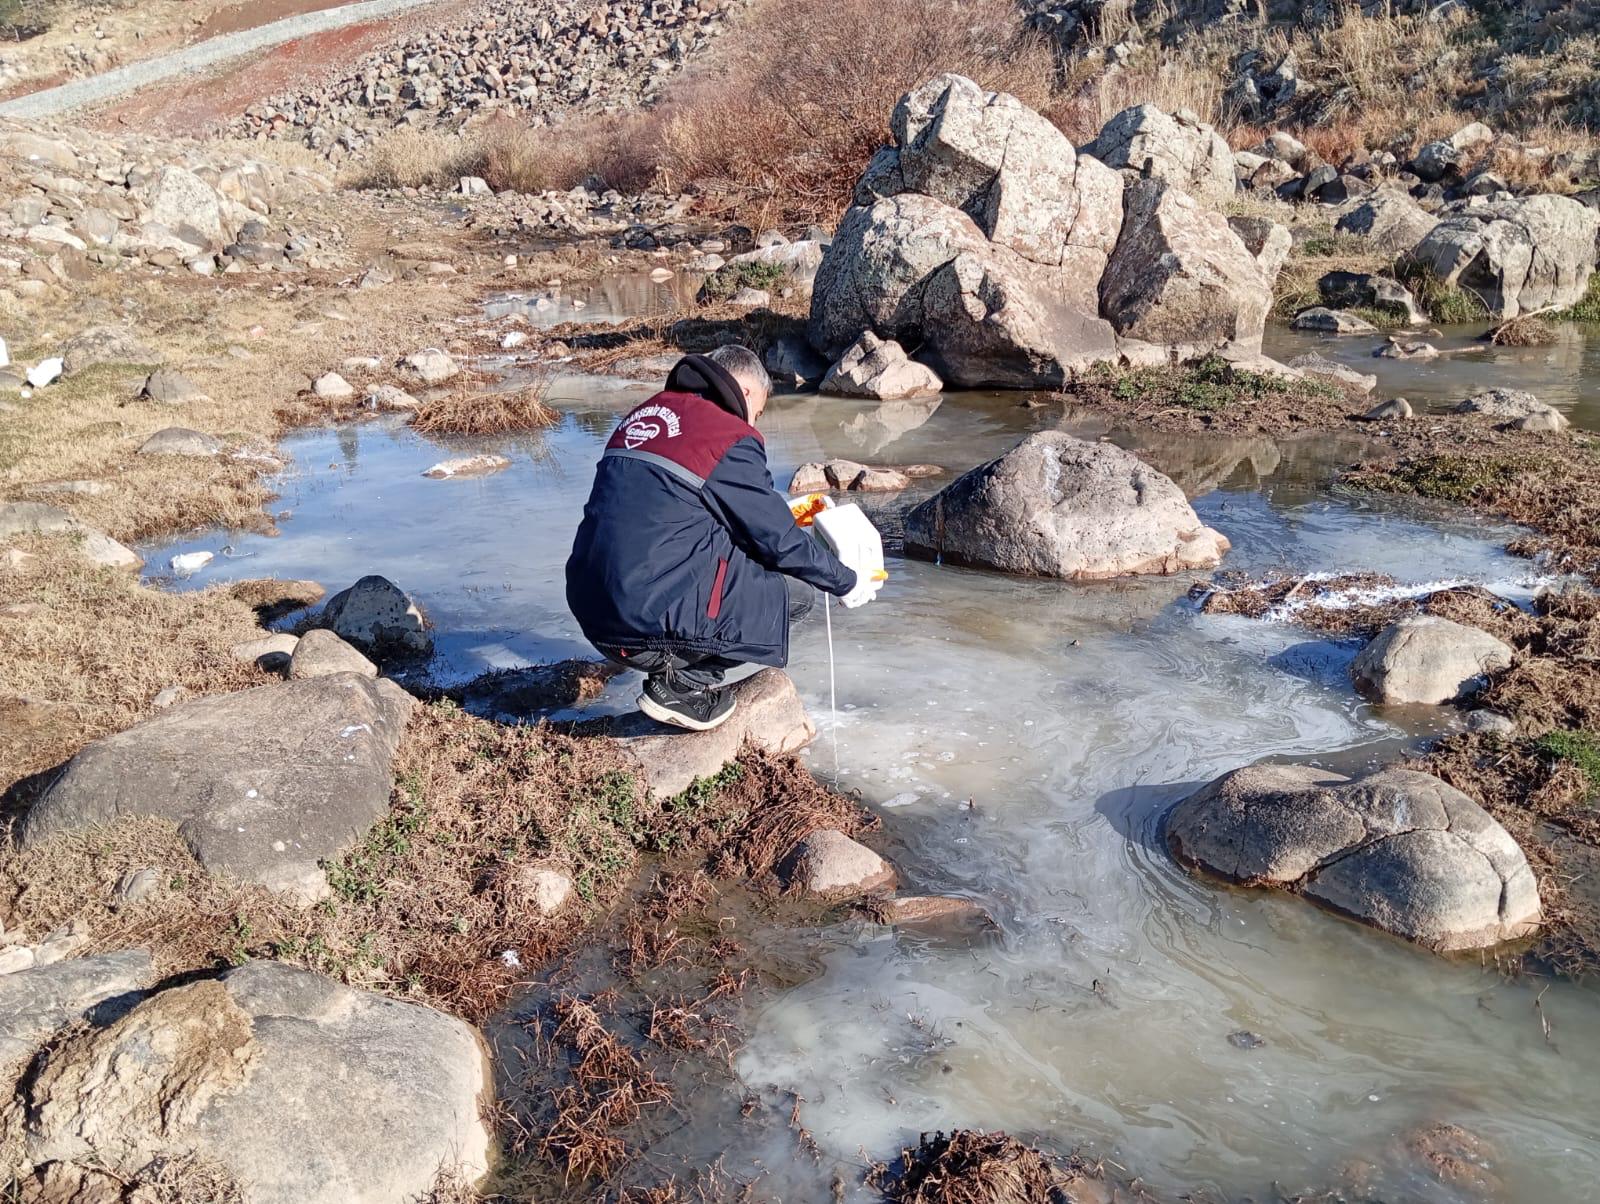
124,80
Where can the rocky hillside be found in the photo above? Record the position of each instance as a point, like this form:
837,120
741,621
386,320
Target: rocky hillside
540,59
1522,64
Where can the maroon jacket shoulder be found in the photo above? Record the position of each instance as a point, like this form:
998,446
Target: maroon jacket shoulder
684,428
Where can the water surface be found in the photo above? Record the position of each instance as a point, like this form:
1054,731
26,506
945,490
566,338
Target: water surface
1021,740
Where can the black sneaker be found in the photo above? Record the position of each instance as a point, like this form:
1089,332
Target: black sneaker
697,710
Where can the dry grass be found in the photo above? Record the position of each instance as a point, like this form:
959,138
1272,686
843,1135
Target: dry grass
1213,395
969,1167
756,128
1550,483
428,903
485,412
83,651
424,907
186,1179
90,426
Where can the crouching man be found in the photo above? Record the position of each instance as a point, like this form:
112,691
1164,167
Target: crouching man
688,562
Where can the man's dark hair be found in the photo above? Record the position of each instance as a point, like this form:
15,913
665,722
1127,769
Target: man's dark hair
744,364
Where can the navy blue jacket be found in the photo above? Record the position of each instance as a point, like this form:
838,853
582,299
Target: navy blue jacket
684,540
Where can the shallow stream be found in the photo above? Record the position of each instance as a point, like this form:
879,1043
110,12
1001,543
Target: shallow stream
1021,741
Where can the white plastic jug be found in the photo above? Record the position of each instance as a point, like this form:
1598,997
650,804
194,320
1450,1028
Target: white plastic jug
853,538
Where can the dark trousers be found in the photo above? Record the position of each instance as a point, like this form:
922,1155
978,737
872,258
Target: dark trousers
705,672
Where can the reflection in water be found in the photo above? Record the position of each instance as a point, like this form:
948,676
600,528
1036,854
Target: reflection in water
1563,375
609,299
1029,735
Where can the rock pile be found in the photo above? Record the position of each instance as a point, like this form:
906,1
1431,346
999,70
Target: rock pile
1007,258
72,201
536,58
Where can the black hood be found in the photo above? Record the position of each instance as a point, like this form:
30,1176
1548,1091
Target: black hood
702,375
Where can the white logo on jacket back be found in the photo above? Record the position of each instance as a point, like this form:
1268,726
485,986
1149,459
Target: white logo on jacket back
640,430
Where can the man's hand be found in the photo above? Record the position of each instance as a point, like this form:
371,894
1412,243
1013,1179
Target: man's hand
866,590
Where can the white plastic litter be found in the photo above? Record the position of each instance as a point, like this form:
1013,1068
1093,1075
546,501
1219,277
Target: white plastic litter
189,562
45,372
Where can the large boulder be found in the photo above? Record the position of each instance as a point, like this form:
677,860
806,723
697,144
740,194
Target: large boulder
1181,276
1518,255
185,204
879,369
1397,849
1390,220
979,237
1178,148
36,1004
380,618
767,712
39,518
264,785
301,1090
877,268
1058,506
1427,659
992,319
1009,169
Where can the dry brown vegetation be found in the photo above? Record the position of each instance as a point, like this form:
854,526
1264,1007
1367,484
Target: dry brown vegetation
427,904
968,1167
485,411
760,132
758,128
1547,482
84,650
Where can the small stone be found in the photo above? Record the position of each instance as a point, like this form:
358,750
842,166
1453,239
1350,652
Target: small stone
390,398
1491,723
321,653
432,367
1395,409
547,889
138,884
750,298
1407,349
270,652
332,387
829,863
171,388
1331,321
179,441
170,696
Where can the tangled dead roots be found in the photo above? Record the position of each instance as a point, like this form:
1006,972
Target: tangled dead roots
968,1167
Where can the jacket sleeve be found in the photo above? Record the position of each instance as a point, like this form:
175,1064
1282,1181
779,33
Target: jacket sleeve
741,493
